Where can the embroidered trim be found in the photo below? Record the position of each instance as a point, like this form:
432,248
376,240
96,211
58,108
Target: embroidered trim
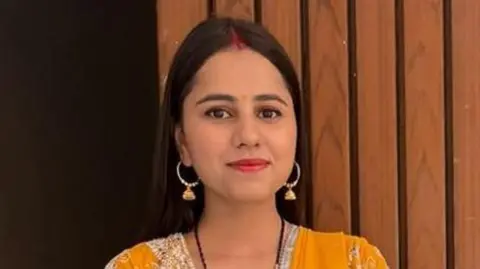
354,255
189,256
289,245
171,252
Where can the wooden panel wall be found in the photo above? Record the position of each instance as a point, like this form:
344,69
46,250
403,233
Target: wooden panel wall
172,30
395,109
424,133
377,124
465,99
328,64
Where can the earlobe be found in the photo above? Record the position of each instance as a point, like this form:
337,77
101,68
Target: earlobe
181,144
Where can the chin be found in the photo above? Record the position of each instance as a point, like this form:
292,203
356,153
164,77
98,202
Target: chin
250,196
245,191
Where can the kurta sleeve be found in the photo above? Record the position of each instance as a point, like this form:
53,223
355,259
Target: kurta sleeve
138,257
363,255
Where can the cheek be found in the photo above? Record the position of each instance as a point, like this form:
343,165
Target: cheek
283,140
283,147
206,142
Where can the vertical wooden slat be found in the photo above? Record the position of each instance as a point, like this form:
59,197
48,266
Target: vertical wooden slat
329,108
375,38
401,141
466,122
243,9
282,19
448,108
174,22
424,136
423,89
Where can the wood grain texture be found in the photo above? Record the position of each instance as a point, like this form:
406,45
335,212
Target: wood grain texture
422,170
466,119
282,19
425,151
172,30
243,9
329,109
377,132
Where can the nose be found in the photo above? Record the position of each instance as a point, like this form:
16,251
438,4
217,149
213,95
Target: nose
246,133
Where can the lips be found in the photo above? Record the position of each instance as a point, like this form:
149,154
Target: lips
249,165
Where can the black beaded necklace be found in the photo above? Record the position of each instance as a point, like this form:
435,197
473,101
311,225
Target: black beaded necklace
279,248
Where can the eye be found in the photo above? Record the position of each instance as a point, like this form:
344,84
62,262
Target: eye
269,113
218,113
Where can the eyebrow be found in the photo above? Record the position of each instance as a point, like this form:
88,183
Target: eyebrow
216,97
232,99
270,97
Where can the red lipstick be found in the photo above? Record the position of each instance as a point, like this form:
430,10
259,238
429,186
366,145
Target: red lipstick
249,165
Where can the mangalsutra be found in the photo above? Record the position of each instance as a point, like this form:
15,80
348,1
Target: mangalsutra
279,247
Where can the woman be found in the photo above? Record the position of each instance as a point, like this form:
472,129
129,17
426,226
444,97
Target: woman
231,149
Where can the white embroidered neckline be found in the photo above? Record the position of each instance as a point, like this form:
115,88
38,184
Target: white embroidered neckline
175,247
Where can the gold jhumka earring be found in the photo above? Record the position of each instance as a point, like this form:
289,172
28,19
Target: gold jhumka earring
290,194
188,194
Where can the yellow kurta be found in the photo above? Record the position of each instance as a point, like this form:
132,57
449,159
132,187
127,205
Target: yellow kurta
304,249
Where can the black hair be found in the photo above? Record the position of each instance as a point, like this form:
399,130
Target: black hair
169,213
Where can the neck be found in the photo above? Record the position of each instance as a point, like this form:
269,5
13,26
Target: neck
244,228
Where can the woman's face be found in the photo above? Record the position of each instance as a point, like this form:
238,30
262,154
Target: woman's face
239,129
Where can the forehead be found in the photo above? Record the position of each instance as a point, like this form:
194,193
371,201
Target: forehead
239,72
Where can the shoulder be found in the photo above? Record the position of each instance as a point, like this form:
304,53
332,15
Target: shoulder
140,255
151,254
362,254
355,250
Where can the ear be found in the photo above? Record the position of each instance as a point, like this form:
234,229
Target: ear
182,148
